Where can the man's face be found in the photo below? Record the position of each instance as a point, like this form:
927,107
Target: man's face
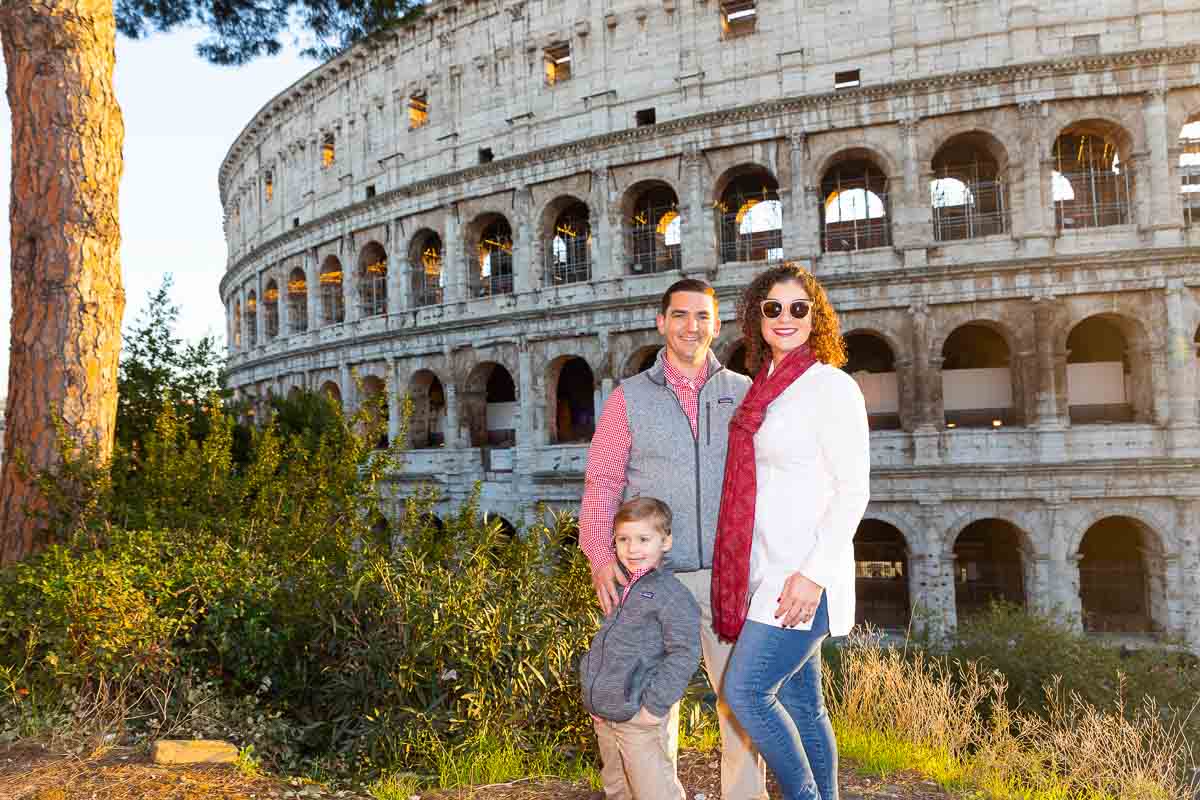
689,326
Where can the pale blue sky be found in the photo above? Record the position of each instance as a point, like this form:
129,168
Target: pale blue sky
181,115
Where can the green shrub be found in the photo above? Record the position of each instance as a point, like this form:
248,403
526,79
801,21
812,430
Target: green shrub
1034,652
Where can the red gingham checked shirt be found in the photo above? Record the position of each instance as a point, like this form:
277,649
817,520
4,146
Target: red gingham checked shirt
608,458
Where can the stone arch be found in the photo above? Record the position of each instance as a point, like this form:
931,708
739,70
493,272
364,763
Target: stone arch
297,301
652,225
427,425
506,528
374,389
968,187
490,241
854,210
566,235
571,400
882,573
837,153
640,360
489,405
1097,389
1091,182
749,214
252,319
988,134
271,310
1159,529
372,279
991,562
331,390
333,298
1122,576
872,364
427,260
976,394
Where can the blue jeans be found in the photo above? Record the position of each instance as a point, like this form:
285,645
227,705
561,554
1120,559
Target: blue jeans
773,684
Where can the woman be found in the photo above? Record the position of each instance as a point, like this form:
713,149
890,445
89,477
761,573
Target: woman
796,487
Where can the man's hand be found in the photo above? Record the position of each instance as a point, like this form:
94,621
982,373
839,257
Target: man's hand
606,581
799,600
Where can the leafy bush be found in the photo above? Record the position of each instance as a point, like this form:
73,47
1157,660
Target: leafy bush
265,584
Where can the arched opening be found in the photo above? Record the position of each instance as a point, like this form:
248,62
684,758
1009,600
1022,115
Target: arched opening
333,301
640,360
494,271
1189,171
271,309
873,366
977,382
750,218
1121,579
332,391
297,302
737,360
967,192
381,531
569,246
1091,183
1099,373
372,280
428,279
237,324
653,231
507,529
574,401
854,209
881,576
252,319
375,400
490,406
427,425
988,566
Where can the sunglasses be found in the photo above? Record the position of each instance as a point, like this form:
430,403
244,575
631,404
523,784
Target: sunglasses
771,309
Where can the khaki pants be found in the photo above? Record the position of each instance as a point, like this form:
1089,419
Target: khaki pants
743,773
638,758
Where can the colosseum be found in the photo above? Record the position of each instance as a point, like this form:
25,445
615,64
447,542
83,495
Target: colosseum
481,209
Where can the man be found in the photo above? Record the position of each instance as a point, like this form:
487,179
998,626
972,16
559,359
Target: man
663,433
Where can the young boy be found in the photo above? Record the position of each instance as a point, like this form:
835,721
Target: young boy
641,660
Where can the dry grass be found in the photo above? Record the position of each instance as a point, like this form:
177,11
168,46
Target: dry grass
951,721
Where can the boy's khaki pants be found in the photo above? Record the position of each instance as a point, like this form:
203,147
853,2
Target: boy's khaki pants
638,759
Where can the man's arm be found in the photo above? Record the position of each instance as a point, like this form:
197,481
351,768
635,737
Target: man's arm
604,486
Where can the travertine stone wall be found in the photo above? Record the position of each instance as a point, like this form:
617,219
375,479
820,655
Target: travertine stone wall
1010,74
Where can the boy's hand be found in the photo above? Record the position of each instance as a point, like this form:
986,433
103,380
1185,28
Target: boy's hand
605,580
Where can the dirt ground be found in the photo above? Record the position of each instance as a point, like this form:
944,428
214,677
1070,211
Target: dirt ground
33,773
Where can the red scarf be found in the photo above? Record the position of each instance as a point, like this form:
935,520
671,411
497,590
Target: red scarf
735,525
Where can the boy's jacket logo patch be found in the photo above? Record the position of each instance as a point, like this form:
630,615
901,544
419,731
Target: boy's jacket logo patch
728,400
648,595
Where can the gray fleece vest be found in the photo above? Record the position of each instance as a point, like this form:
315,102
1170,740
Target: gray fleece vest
685,471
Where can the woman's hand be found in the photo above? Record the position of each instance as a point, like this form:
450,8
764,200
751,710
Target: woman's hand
799,600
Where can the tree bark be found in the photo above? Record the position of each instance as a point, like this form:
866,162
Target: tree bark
67,299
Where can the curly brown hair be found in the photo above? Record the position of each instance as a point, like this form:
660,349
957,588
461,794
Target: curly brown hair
826,337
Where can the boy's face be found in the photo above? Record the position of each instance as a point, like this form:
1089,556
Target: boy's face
640,545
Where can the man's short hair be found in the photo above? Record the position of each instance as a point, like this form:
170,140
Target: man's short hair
645,508
688,285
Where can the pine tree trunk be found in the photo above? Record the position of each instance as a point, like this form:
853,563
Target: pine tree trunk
67,300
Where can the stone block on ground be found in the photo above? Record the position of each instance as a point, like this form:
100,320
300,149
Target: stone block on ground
198,751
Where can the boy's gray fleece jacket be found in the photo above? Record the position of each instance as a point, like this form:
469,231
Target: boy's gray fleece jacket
646,652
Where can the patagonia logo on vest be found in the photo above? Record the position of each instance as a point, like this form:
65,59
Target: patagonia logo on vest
728,400
648,595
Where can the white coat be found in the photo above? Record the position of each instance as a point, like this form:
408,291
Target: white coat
813,460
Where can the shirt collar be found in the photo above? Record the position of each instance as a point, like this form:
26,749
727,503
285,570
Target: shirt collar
676,378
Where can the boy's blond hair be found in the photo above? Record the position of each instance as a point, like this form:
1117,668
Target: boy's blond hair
645,508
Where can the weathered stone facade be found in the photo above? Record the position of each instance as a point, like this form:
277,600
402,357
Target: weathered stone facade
428,174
